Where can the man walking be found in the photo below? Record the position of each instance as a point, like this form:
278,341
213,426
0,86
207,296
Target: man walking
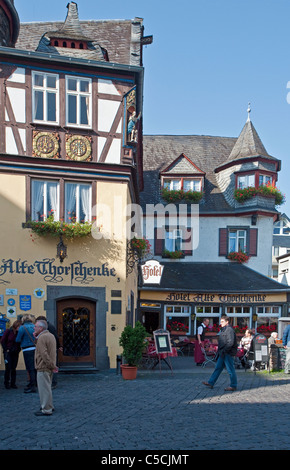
45,364
227,349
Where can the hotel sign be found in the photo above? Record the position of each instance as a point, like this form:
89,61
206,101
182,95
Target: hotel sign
152,272
216,298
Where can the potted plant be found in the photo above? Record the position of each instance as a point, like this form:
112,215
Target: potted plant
132,341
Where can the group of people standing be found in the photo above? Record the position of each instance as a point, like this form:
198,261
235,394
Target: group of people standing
39,342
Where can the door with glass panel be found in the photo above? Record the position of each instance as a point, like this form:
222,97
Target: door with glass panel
76,322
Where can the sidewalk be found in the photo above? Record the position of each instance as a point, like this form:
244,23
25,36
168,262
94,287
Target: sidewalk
160,410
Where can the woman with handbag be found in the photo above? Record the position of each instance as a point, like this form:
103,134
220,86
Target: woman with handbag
11,351
27,341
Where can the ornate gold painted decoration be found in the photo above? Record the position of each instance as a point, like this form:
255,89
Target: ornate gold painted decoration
78,147
45,145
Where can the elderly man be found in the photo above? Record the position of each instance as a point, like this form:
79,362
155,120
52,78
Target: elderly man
45,364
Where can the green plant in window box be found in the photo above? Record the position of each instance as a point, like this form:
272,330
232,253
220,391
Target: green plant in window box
57,228
177,195
174,195
239,256
193,196
173,254
242,195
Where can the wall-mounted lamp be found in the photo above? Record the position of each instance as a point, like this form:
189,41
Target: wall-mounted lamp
61,250
254,219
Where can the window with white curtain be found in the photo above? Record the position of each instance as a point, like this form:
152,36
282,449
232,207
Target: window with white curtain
246,181
45,97
173,240
78,101
78,202
44,200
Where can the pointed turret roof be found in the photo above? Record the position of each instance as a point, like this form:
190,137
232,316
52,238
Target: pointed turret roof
248,144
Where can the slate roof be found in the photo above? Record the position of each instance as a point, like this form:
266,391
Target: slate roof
207,152
281,240
122,39
214,277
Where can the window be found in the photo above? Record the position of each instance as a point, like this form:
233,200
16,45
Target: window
173,240
240,317
264,180
177,319
212,313
192,185
281,228
187,184
172,184
78,202
78,101
44,199
237,240
267,319
246,181
45,97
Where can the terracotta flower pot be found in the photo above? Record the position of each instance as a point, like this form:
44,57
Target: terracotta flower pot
128,372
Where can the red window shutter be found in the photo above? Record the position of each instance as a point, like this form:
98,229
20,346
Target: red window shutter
187,241
253,241
158,241
223,242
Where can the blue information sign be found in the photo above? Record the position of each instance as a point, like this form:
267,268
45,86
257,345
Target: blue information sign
25,302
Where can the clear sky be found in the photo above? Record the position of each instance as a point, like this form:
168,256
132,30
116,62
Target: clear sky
209,58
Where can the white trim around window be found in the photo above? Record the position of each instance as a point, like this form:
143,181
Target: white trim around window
78,101
45,97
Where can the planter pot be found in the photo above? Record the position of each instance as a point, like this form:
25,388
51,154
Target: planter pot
128,372
177,333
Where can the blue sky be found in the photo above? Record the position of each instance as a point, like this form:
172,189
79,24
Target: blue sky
209,58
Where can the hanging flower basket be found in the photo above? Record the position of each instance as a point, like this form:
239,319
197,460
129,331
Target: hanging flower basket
141,246
239,256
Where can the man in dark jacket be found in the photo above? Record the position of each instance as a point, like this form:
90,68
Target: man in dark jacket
227,349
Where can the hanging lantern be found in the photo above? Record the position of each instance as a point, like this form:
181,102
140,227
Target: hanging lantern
61,252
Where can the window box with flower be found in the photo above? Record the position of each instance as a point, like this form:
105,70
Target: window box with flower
177,328
177,254
178,195
57,228
267,190
239,256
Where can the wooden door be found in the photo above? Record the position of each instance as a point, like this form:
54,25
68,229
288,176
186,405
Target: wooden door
76,323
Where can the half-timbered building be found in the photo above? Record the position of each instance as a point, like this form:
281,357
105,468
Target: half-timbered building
70,164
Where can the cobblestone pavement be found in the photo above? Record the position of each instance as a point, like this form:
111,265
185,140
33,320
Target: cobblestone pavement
159,410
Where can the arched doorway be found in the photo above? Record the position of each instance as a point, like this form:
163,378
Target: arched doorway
76,326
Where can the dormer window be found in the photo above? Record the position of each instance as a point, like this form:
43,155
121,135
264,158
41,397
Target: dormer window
264,180
255,179
187,184
246,181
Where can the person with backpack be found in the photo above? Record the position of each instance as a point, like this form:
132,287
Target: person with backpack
11,351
